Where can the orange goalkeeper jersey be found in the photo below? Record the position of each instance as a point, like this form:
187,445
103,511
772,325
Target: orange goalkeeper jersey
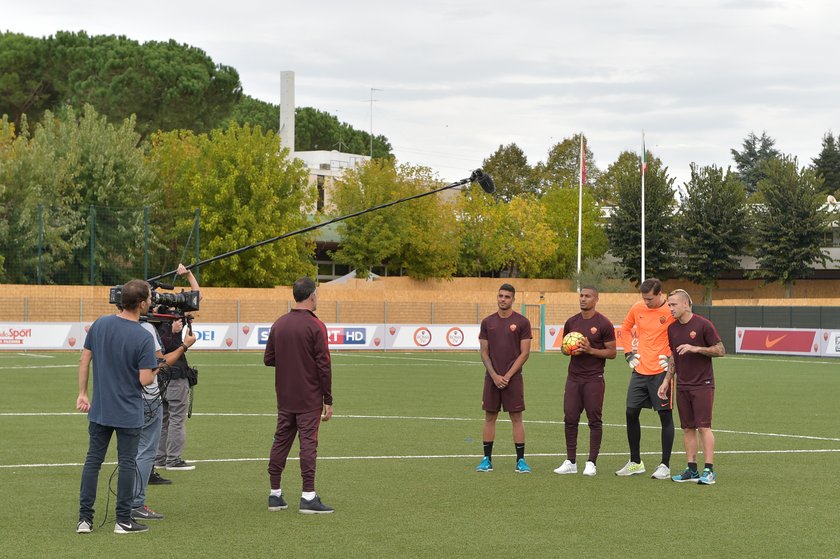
651,327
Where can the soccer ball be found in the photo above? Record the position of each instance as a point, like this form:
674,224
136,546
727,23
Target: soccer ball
571,343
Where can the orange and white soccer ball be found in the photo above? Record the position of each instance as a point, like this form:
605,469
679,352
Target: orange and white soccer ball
571,343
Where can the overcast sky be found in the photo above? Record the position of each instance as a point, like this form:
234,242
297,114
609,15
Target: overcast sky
458,78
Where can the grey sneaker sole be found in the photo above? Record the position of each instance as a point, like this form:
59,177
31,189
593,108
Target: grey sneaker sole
308,511
692,480
275,509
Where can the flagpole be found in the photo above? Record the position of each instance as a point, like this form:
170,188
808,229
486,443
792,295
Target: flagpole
644,168
582,178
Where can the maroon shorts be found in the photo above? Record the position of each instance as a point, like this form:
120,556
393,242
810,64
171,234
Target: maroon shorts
511,397
695,407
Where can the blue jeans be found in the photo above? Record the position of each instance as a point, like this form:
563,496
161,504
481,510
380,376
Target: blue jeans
100,438
146,449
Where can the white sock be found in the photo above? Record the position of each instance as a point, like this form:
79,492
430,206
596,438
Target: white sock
276,492
308,495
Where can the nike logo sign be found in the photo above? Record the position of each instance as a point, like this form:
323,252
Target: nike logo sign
768,343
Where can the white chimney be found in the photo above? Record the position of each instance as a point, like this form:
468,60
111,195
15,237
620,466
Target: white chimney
287,111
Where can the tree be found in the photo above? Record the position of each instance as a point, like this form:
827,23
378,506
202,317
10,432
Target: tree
561,205
752,159
827,164
165,84
509,168
24,87
789,224
713,224
514,238
247,192
625,225
76,166
248,110
562,166
319,130
420,236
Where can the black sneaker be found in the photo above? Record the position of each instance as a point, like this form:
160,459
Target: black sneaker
84,526
276,502
129,527
180,465
315,506
156,479
145,513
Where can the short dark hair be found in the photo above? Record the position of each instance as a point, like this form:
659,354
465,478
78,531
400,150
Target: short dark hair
303,289
508,287
590,287
133,293
651,284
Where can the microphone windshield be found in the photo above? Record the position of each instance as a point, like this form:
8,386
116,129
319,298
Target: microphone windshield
484,181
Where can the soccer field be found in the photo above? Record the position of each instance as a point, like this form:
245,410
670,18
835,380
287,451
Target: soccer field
397,462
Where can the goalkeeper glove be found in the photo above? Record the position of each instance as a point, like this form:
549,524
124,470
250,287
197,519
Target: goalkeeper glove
663,363
632,359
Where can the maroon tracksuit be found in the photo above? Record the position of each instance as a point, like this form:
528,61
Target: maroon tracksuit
297,348
585,383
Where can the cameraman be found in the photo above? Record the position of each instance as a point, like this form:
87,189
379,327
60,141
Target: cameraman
151,431
177,399
124,363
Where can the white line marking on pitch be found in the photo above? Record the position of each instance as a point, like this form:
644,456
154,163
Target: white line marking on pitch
424,418
433,457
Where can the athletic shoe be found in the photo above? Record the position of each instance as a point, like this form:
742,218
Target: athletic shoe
687,476
145,513
522,467
156,479
84,526
276,502
180,465
129,527
662,472
485,466
315,506
631,469
567,467
707,477
589,469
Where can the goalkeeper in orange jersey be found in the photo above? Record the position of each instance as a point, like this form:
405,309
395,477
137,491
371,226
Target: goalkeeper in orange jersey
649,360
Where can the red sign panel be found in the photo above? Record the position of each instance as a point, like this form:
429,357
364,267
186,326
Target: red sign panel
778,341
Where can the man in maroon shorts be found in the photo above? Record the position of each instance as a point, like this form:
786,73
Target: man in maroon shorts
297,348
585,383
505,342
694,341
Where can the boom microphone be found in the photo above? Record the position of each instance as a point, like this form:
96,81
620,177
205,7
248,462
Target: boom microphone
483,179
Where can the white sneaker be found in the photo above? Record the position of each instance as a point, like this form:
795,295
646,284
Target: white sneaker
662,472
589,469
566,468
631,469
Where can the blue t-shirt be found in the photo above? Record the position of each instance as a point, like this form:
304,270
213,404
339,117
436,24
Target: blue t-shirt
120,347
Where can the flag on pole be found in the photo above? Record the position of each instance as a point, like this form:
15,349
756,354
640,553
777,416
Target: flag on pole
644,155
582,162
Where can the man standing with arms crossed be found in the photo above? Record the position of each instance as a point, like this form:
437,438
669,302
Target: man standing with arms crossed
694,341
505,344
585,383
124,363
651,318
298,350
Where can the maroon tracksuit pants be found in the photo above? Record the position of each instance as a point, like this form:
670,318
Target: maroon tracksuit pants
305,425
581,396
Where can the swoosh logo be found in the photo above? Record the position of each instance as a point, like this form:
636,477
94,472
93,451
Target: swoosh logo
768,343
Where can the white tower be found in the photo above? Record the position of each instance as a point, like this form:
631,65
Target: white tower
287,111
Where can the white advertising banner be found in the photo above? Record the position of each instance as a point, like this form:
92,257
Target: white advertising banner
341,337
214,336
41,335
432,336
831,343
